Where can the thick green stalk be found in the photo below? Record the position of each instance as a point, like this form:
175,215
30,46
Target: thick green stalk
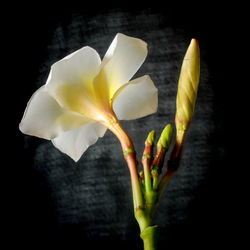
150,237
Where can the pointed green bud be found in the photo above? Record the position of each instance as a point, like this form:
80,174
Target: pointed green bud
151,138
166,137
188,86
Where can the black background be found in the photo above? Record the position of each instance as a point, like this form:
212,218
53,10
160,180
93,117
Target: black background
54,202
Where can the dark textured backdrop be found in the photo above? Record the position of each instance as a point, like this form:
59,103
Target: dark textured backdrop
56,201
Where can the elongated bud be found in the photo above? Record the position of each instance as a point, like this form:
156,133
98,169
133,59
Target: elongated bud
188,86
185,103
162,147
151,138
149,146
166,137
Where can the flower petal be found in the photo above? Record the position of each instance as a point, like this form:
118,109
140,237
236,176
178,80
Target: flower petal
75,142
77,70
122,60
45,118
136,99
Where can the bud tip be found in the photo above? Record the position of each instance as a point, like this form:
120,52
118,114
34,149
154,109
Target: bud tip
166,137
151,138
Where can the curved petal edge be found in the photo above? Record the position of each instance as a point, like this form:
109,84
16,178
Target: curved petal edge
136,99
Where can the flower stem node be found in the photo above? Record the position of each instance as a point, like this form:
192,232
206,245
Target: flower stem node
128,151
155,171
146,156
141,174
150,237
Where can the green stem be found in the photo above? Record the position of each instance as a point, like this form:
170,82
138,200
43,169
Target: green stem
148,185
146,162
130,157
150,237
143,215
155,180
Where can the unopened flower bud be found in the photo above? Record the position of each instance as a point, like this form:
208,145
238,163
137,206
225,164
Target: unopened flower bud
151,138
166,137
162,147
188,86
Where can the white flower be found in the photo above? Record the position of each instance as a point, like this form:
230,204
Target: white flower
83,96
